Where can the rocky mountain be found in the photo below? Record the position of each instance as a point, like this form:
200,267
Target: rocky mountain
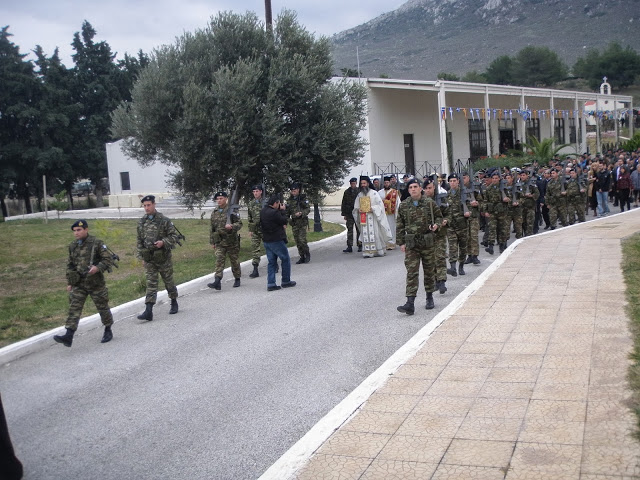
425,37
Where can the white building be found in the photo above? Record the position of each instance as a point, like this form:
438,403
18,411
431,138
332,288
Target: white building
420,127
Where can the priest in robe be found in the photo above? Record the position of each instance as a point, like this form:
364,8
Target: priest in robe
369,212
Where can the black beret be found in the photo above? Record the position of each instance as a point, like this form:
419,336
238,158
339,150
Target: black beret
80,223
453,175
387,178
295,186
353,179
257,187
412,181
220,194
148,198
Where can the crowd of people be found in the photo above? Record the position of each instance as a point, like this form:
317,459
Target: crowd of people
448,217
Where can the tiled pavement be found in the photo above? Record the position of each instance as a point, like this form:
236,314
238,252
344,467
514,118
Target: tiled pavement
526,380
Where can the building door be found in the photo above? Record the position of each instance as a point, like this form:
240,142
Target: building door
506,141
409,157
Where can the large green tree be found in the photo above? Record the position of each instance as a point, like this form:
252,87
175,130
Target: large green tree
500,71
19,97
234,104
620,65
537,67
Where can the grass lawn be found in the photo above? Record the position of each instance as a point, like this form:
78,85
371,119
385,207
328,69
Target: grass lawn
631,271
34,256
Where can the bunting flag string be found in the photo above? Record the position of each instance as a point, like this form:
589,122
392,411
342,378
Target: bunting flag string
526,113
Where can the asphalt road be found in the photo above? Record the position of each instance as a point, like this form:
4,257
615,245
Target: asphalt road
222,389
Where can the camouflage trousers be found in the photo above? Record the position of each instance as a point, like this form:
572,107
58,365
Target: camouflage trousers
299,230
233,252
498,228
77,297
351,223
457,238
412,259
514,216
558,212
575,208
441,256
256,248
473,242
528,220
165,270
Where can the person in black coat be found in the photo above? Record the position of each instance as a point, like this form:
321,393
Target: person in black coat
273,220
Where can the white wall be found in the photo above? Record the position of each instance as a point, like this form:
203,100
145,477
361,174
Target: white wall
143,180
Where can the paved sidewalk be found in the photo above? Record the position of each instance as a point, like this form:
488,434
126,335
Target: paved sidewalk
526,380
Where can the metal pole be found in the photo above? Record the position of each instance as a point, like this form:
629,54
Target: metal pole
44,195
267,15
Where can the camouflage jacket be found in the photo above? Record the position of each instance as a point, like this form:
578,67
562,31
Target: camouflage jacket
220,235
253,216
82,255
573,189
493,203
348,200
298,204
150,230
553,195
529,203
416,219
455,215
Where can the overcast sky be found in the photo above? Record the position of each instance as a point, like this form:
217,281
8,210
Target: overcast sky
131,25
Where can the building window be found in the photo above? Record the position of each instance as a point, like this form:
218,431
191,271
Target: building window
558,128
533,128
477,139
572,130
125,184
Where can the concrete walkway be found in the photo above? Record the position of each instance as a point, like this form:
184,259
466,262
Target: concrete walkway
523,379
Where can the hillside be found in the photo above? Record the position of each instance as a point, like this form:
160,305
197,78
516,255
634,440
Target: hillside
424,37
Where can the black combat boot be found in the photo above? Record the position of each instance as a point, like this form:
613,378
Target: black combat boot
108,335
503,247
349,249
461,269
452,270
236,283
66,339
430,303
301,260
148,312
442,287
489,249
408,307
468,260
475,260
174,307
215,284
255,273
307,256
359,247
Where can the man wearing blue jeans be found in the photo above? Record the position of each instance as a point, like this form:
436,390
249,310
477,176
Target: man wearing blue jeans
273,220
603,180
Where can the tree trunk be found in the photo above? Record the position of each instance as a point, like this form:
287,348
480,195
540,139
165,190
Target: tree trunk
99,199
23,193
5,212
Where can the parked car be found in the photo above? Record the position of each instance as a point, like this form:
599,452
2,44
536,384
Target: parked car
82,188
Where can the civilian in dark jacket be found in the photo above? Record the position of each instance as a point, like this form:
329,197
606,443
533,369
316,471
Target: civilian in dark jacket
623,186
273,220
603,181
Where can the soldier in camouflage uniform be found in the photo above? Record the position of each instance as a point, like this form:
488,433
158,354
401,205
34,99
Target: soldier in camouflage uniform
473,205
555,199
495,210
529,199
89,258
225,240
575,198
298,209
440,238
346,210
156,237
458,227
514,207
254,228
418,218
